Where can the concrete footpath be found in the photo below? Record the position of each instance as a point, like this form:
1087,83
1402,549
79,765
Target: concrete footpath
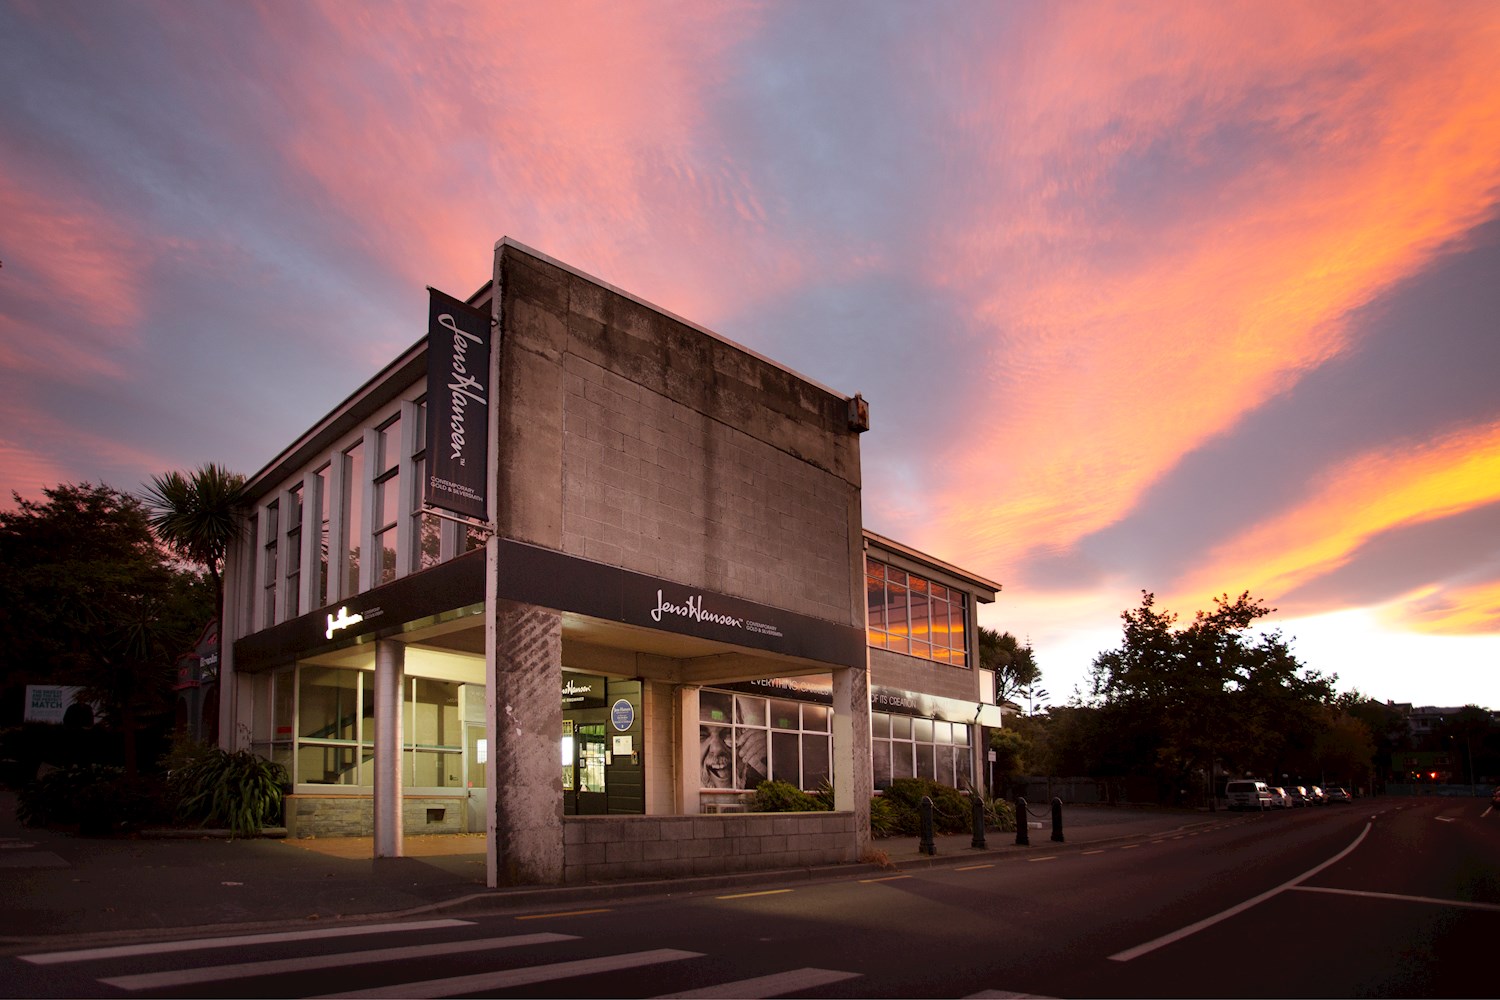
63,886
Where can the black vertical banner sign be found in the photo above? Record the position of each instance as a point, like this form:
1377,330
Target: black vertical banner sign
458,420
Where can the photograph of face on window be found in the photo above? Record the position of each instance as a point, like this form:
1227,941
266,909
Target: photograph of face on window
716,755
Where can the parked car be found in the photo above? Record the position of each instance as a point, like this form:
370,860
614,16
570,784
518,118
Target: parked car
1298,795
1337,794
1315,796
1279,797
1248,795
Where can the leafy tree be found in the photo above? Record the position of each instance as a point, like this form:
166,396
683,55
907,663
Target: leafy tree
87,597
1345,751
196,515
1014,665
1465,733
1177,702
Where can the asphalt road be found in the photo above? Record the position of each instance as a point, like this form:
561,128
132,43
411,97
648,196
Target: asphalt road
1391,897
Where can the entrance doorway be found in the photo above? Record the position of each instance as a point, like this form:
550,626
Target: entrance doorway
583,747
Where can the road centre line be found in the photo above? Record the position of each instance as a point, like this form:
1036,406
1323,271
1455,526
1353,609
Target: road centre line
199,944
747,895
970,868
1129,847
338,960
1191,929
1093,852
567,913
884,878
1397,897
1050,857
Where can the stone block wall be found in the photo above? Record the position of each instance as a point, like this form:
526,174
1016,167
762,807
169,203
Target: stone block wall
354,815
600,848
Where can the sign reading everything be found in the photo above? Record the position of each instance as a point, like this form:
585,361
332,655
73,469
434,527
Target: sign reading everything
458,372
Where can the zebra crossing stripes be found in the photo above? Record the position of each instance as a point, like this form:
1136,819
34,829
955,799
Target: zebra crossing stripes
310,963
511,978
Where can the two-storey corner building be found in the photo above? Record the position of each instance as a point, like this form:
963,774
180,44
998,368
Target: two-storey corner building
642,589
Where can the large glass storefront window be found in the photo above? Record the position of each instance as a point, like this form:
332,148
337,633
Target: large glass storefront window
322,720
903,747
744,739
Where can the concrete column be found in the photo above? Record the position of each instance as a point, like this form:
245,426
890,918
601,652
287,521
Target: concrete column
852,780
525,714
689,769
390,668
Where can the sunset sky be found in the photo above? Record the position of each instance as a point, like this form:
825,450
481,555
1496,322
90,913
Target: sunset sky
1184,297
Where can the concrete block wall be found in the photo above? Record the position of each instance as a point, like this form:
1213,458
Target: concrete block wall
633,439
354,815
600,848
913,673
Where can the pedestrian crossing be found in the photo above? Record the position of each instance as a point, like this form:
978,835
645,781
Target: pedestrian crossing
381,968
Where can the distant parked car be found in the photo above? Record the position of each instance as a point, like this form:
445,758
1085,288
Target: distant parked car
1337,794
1298,796
1279,797
1248,795
1315,796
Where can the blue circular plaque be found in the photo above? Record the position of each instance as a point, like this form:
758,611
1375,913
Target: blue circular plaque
622,715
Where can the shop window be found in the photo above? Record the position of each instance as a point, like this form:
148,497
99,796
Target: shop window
388,507
353,511
268,565
904,747
910,614
292,557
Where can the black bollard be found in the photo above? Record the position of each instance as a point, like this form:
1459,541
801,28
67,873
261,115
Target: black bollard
978,842
1023,835
1057,820
928,844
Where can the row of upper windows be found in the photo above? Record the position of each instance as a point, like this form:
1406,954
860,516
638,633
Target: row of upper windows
912,614
366,498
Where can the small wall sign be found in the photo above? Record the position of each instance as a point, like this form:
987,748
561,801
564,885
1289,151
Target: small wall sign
622,715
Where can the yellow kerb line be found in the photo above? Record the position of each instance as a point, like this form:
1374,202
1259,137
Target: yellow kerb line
570,913
747,895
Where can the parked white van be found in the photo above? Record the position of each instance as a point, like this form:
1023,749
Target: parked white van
1248,795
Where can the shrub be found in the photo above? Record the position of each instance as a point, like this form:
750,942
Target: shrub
883,818
96,797
782,796
951,812
241,791
1000,814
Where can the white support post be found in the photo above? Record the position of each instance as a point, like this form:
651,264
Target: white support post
390,663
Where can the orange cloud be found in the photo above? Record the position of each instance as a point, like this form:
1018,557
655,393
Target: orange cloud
1464,610
1325,153
1405,484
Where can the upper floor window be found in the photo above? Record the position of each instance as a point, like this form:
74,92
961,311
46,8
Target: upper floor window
268,577
292,557
388,507
911,614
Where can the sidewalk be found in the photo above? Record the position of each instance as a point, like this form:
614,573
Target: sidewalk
60,885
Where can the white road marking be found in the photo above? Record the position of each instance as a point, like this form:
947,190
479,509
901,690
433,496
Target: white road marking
198,944
306,963
1464,903
1191,929
767,986
510,978
1005,995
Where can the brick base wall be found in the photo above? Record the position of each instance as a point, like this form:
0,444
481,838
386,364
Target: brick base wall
354,815
598,848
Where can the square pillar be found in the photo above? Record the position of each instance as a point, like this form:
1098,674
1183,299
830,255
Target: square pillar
689,750
524,715
852,778
390,670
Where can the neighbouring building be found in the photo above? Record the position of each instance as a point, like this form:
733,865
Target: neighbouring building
579,574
